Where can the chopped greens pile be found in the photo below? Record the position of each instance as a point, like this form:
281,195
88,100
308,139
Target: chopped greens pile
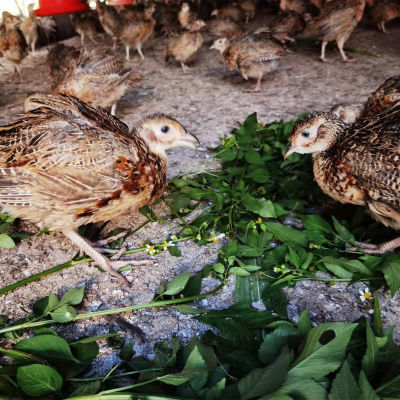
279,228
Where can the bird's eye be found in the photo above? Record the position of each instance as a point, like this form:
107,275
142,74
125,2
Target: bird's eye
165,129
305,134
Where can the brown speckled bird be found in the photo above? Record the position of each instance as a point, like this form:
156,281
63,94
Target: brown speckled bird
253,55
286,26
134,33
249,9
85,26
12,42
186,16
230,11
383,12
384,96
110,20
335,23
357,164
30,28
65,164
93,77
299,6
185,47
218,28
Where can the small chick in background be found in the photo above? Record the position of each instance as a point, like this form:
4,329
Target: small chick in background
12,43
284,27
30,28
134,33
383,11
254,55
65,164
335,23
85,26
186,16
93,77
230,11
110,20
217,28
185,48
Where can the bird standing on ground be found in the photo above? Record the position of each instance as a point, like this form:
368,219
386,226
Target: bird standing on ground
383,11
134,33
12,42
85,25
285,26
110,20
186,47
335,23
93,77
253,55
357,164
65,164
186,16
29,28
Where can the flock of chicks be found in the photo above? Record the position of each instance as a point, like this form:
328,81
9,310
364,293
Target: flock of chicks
66,162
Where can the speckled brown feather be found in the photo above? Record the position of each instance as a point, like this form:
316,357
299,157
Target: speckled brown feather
285,26
12,42
66,164
94,78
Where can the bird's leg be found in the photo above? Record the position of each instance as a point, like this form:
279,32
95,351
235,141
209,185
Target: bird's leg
383,28
323,47
139,50
127,48
33,47
386,247
113,109
184,68
110,239
340,44
110,266
114,43
257,89
82,39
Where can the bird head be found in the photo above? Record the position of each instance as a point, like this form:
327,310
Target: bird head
185,7
220,44
10,21
314,133
162,132
215,13
197,26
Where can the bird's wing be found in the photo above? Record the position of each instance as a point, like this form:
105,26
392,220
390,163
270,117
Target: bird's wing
373,155
66,155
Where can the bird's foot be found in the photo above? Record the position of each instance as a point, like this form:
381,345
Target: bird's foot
325,60
383,248
349,60
255,90
110,239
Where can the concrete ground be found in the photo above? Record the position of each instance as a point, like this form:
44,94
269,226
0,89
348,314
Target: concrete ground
208,100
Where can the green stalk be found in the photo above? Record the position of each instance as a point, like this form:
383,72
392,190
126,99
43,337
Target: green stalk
69,264
162,303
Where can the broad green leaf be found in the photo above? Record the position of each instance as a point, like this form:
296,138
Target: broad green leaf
127,351
344,387
228,154
85,352
239,271
63,314
344,234
368,393
44,305
180,377
219,268
316,223
259,175
6,241
391,271
177,284
369,360
73,296
84,388
262,207
263,381
253,157
52,348
287,235
174,251
20,356
304,325
317,360
196,361
39,380
353,266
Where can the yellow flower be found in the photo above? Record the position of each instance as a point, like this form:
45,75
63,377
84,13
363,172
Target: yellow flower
216,238
150,249
365,294
259,220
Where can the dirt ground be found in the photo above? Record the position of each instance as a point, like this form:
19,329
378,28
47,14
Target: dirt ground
208,100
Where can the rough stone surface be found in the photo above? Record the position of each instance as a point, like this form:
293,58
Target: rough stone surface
209,100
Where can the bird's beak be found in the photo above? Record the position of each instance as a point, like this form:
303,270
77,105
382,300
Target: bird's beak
212,47
189,140
290,149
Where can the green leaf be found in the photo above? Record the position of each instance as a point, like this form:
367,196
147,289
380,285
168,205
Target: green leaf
239,271
264,208
180,377
318,359
352,266
127,352
304,325
177,284
196,361
85,352
368,393
84,388
344,234
316,223
259,175
73,296
287,235
219,268
174,251
263,381
391,271
6,241
300,389
344,387
52,348
44,305
39,380
228,154
63,314
253,157
369,360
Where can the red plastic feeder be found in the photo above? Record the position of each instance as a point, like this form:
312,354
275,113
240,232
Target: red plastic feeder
53,7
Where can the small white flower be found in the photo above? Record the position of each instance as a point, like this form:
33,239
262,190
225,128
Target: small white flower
150,249
166,245
365,294
174,237
216,238
277,270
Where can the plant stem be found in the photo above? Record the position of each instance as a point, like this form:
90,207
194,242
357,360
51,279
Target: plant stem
162,303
